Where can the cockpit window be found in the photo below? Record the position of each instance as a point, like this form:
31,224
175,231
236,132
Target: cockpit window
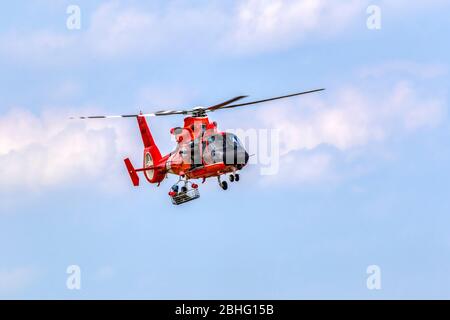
232,139
212,149
211,139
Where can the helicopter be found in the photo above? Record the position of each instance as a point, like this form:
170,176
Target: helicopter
202,150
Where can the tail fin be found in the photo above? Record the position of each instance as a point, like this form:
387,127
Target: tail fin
152,155
132,172
147,139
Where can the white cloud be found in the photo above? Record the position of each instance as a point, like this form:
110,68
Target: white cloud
116,30
352,118
268,24
326,137
49,150
12,281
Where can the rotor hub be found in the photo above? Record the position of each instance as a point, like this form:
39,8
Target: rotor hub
198,112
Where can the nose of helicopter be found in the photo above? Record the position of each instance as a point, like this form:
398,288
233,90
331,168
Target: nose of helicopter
238,157
233,151
246,158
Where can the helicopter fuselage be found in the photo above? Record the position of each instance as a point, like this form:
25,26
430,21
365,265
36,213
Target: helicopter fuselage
202,152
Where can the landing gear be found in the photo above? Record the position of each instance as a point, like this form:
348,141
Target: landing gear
222,184
234,177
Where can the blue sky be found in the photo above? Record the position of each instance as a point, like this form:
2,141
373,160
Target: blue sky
363,176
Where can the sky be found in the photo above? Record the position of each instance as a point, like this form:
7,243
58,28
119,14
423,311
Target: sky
361,170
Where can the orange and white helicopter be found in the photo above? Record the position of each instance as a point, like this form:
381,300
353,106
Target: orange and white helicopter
202,150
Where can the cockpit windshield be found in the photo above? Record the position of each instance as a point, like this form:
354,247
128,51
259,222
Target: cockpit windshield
227,140
232,139
223,148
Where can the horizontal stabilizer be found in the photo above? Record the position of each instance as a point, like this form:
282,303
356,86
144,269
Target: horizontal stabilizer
132,172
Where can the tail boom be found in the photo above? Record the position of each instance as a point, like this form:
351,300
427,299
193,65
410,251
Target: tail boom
153,167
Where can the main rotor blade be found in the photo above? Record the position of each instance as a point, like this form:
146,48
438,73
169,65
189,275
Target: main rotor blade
211,108
169,112
271,99
116,116
108,117
155,114
223,104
